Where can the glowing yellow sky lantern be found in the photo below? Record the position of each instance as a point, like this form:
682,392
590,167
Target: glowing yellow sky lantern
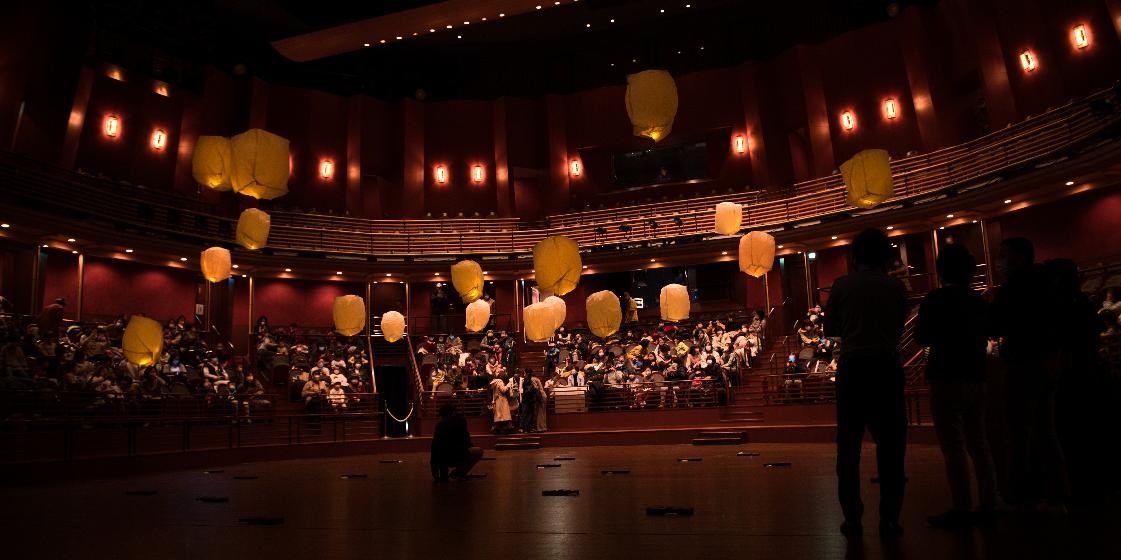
539,322
478,315
867,177
211,162
556,264
260,164
215,263
674,302
142,342
651,103
757,253
467,277
253,229
604,313
559,309
729,218
349,313
392,326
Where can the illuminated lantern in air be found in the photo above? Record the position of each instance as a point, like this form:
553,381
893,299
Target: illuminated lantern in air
211,164
867,178
604,313
215,263
260,164
757,253
392,326
559,309
478,315
729,217
651,103
349,313
467,277
674,302
253,229
540,322
556,262
142,342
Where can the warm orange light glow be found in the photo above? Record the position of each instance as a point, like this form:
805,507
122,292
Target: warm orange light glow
326,169
159,140
112,126
575,168
739,144
478,173
1080,36
161,89
848,120
891,108
441,174
115,73
1028,61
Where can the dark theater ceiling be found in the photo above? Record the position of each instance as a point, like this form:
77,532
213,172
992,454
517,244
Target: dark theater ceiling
559,48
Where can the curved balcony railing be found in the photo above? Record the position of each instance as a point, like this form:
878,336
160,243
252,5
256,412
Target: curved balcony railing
1038,139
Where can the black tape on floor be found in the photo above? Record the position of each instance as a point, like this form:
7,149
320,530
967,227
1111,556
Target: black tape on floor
775,465
669,511
353,476
688,459
560,492
615,471
549,466
266,521
140,492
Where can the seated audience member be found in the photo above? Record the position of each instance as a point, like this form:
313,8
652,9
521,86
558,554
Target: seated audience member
451,447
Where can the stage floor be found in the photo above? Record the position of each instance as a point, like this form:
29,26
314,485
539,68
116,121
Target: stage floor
743,509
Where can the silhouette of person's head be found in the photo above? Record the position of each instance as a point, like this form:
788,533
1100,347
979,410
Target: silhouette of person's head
1017,253
447,410
871,249
955,264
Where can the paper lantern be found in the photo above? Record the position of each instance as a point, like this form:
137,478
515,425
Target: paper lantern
539,322
729,217
467,277
556,264
651,103
757,253
559,309
478,315
868,178
392,326
260,164
253,229
215,263
674,302
211,164
604,313
349,313
142,342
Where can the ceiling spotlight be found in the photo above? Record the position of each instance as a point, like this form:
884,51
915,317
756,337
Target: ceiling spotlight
587,25
437,274
235,266
288,270
779,247
890,227
338,273
243,276
183,259
1069,183
834,237
612,20
459,36
949,215
399,37
974,221
585,266
538,7
75,252
941,227
1008,201
723,252
46,246
5,226
126,250
653,260
484,272
501,15
662,11
71,240
449,26
388,275
365,44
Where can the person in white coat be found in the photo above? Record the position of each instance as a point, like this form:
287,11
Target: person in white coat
500,401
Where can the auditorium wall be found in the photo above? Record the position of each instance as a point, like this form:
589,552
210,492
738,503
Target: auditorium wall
114,287
1083,227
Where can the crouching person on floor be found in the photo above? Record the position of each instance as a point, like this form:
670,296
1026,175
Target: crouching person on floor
451,446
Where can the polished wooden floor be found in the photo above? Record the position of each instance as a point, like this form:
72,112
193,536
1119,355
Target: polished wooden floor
743,509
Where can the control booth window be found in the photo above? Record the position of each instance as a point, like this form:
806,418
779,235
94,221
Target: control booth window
670,164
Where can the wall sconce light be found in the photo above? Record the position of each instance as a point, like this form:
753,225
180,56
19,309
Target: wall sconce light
441,173
161,89
1028,61
114,73
112,126
326,169
478,173
575,168
848,120
159,140
1080,36
739,144
891,108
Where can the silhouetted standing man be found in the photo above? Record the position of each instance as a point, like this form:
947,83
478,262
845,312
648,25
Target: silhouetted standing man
867,309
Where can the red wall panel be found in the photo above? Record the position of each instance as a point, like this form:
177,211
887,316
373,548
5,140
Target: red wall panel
1082,227
114,287
60,279
459,134
307,303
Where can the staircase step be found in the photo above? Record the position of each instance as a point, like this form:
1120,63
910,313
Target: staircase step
718,441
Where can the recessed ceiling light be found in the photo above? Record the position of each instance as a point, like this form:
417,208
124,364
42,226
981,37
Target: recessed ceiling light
339,272
243,276
949,215
388,275
653,260
365,44
585,266
399,37
5,226
538,7
662,11
1008,201
235,266
1069,183
834,237
466,23
46,246
128,250
449,26
723,252
183,259
890,227
75,252
587,25
612,20
533,270
780,246
974,221
382,41
459,36
941,227
432,30
484,272
437,274
71,240
501,15
288,270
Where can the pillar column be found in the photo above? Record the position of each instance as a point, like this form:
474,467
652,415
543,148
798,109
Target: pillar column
81,283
